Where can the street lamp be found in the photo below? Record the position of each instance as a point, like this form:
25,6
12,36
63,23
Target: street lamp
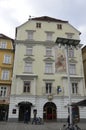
68,43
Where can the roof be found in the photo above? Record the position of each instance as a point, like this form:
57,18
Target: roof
4,36
46,18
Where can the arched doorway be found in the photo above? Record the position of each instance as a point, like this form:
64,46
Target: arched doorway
23,106
49,112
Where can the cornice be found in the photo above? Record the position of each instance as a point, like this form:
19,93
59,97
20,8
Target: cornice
26,42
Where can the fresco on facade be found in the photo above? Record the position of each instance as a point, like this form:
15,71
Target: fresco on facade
60,60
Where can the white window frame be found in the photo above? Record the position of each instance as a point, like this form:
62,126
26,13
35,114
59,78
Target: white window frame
48,67
29,50
48,88
3,44
71,52
48,51
49,36
74,88
72,69
7,59
27,87
5,75
28,67
3,91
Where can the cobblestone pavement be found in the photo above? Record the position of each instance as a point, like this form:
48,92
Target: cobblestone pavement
45,126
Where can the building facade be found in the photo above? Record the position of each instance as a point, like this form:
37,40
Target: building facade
84,61
40,81
6,68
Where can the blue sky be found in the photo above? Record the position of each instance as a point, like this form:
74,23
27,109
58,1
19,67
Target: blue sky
15,12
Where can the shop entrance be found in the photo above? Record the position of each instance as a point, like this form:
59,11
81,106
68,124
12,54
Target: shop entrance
24,106
49,112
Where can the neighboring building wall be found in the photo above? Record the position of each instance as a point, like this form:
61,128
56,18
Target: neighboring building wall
84,61
41,64
6,69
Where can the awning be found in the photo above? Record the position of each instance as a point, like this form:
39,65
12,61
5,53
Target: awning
81,103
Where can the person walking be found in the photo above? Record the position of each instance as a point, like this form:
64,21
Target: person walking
26,116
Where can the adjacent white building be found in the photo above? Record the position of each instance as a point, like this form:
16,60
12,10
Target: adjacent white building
40,70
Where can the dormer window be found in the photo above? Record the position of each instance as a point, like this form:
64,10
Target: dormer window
59,26
38,25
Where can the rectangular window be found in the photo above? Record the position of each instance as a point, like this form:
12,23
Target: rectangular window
5,75
7,59
72,68
74,88
38,25
48,88
30,35
3,91
49,36
48,51
27,86
71,52
28,67
59,26
48,68
28,50
69,35
3,44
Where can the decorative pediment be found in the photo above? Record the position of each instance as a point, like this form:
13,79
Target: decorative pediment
72,61
28,59
49,59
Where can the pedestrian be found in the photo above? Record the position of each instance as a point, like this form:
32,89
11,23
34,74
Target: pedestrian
26,116
68,120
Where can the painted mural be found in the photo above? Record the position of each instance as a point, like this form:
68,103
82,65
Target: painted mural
60,60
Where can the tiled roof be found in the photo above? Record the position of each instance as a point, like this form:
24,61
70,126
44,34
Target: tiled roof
4,36
46,18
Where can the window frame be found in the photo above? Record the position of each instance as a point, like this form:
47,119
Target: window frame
5,74
48,51
72,69
74,87
27,87
3,91
7,59
48,88
29,50
3,44
26,69
48,67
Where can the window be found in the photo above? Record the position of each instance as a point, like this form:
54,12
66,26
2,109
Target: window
48,68
7,59
74,88
27,85
28,50
38,25
28,67
30,35
49,36
71,52
70,35
5,75
72,68
3,44
48,88
3,91
48,51
59,26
